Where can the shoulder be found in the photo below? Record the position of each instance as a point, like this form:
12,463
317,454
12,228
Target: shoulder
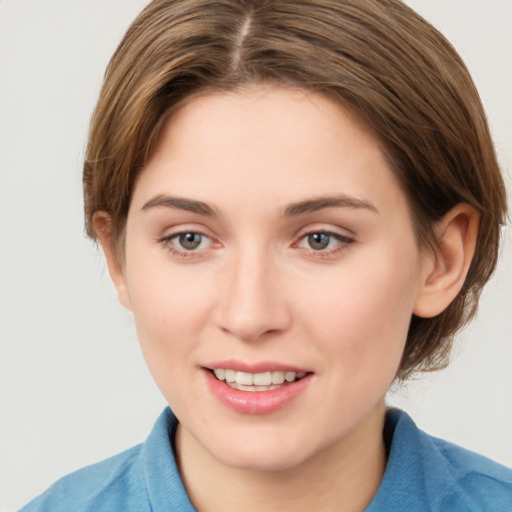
425,473
116,483
473,479
142,479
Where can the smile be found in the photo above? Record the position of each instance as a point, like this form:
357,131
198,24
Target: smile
265,381
260,392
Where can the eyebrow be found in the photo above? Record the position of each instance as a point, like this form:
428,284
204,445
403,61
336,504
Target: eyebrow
181,203
319,203
302,207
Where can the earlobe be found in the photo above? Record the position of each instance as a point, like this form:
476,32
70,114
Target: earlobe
444,269
103,228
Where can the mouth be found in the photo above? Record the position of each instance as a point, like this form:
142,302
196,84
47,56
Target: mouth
268,388
264,381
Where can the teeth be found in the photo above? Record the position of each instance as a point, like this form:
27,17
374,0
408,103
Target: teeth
241,387
220,373
244,378
277,377
254,381
262,379
289,376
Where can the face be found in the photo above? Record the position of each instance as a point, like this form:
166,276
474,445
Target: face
268,241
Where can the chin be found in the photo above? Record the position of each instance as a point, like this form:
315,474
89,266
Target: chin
268,452
264,462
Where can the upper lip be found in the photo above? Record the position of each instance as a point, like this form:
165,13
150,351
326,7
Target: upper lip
256,367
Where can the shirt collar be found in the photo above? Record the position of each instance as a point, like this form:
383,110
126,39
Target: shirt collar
403,484
163,481
413,456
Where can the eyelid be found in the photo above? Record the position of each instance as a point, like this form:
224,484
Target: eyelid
179,228
167,242
333,234
328,229
344,241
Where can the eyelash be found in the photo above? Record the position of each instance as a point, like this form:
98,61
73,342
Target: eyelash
167,242
344,242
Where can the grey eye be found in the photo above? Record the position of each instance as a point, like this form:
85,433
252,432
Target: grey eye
318,241
190,241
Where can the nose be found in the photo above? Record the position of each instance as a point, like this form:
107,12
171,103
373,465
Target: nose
252,304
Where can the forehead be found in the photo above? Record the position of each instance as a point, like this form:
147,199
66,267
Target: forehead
266,142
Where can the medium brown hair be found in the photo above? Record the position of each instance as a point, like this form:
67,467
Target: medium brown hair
376,57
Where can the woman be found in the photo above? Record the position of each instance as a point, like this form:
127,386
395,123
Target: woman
300,204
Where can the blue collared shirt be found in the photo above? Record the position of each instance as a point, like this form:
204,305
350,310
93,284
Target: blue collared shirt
423,474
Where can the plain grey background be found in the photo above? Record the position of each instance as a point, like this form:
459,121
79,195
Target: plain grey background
73,386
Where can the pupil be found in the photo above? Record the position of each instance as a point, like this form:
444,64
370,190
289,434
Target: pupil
318,241
190,241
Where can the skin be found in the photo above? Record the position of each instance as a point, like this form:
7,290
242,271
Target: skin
255,289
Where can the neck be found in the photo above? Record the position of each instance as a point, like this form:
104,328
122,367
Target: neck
344,476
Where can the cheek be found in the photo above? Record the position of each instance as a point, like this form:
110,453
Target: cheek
170,310
363,319
169,307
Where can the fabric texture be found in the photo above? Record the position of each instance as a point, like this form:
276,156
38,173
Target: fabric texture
423,474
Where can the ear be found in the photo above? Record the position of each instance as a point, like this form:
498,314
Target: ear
444,269
103,228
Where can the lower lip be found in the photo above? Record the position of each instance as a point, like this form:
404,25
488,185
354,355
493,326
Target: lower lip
256,402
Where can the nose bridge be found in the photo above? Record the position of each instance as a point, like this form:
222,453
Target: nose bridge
253,303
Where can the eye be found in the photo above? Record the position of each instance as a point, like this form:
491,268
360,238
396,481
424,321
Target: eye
187,243
324,241
319,241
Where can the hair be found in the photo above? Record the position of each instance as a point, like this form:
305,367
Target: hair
378,58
